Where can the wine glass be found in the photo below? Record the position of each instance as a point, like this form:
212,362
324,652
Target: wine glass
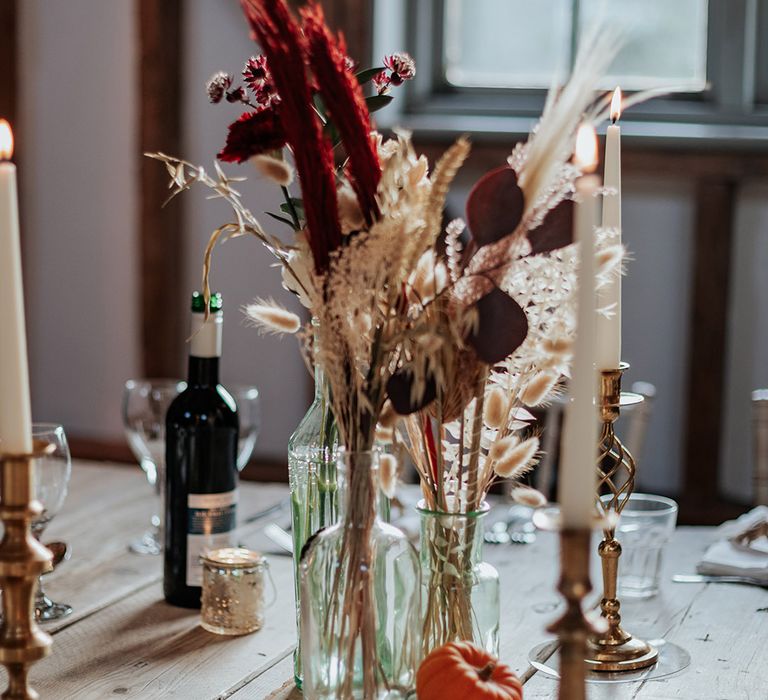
52,472
145,403
249,416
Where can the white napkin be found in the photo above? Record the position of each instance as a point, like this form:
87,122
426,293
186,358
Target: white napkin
725,558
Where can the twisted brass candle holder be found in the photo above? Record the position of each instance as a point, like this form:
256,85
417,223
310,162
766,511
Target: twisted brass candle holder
616,649
22,560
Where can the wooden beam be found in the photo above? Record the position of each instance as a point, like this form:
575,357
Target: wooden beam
713,236
8,61
160,229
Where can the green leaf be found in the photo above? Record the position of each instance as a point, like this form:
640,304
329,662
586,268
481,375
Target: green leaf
298,205
282,219
377,102
365,76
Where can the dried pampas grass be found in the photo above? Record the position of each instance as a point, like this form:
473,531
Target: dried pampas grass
275,169
539,388
270,317
518,460
527,496
496,408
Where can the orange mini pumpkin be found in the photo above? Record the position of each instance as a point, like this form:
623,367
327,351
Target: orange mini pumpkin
461,671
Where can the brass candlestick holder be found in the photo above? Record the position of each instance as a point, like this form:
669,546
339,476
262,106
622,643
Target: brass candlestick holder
616,649
22,560
573,628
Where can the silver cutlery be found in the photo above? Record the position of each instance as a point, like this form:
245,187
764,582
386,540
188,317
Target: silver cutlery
703,578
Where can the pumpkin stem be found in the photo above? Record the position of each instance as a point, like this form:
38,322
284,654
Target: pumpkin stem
487,671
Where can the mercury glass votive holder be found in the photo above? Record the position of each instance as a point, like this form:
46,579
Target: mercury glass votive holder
234,586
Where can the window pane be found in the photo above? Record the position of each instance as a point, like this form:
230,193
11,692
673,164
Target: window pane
664,41
506,43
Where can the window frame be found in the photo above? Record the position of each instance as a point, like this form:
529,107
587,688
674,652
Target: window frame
733,114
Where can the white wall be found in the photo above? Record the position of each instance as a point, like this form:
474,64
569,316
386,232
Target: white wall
217,39
79,195
748,332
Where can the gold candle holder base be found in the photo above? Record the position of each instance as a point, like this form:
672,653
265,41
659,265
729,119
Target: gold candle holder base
615,650
573,628
22,560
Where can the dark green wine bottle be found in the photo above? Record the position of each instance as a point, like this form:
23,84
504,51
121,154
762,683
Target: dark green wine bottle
201,431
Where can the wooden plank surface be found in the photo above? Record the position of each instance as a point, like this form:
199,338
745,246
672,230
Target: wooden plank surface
124,641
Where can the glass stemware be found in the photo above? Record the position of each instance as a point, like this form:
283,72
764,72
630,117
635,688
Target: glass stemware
145,403
52,474
249,415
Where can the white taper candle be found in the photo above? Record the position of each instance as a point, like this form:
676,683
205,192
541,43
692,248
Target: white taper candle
15,413
577,477
609,298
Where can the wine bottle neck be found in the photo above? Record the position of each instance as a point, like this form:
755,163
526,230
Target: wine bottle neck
203,371
205,349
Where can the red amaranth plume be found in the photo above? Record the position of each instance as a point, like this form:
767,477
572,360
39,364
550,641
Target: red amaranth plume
279,36
343,99
253,133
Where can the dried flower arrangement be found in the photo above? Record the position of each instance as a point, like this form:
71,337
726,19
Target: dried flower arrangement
521,264
459,346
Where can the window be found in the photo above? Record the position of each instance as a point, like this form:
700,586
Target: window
485,65
664,45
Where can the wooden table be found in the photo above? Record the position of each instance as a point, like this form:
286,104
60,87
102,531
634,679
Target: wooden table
123,641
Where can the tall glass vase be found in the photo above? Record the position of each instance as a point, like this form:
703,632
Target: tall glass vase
460,592
360,597
312,454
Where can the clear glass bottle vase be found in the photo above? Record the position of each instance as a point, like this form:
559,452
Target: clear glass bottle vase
460,592
360,597
312,455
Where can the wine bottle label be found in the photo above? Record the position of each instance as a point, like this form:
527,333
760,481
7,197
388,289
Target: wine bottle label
210,524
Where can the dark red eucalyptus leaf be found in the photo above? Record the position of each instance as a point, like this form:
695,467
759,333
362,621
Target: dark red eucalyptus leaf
495,206
556,231
254,133
501,329
399,392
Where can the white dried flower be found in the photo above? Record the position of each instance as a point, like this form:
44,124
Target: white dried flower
275,169
527,496
496,408
539,388
388,474
270,317
515,462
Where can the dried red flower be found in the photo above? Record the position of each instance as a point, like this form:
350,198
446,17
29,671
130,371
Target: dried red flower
259,80
344,101
381,82
402,67
252,134
217,86
280,39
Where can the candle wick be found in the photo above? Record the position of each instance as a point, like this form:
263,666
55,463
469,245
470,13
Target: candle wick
614,119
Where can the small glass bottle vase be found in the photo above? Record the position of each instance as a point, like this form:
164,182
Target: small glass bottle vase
460,592
360,597
312,454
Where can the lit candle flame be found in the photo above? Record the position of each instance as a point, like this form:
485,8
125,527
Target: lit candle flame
585,153
616,105
6,140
